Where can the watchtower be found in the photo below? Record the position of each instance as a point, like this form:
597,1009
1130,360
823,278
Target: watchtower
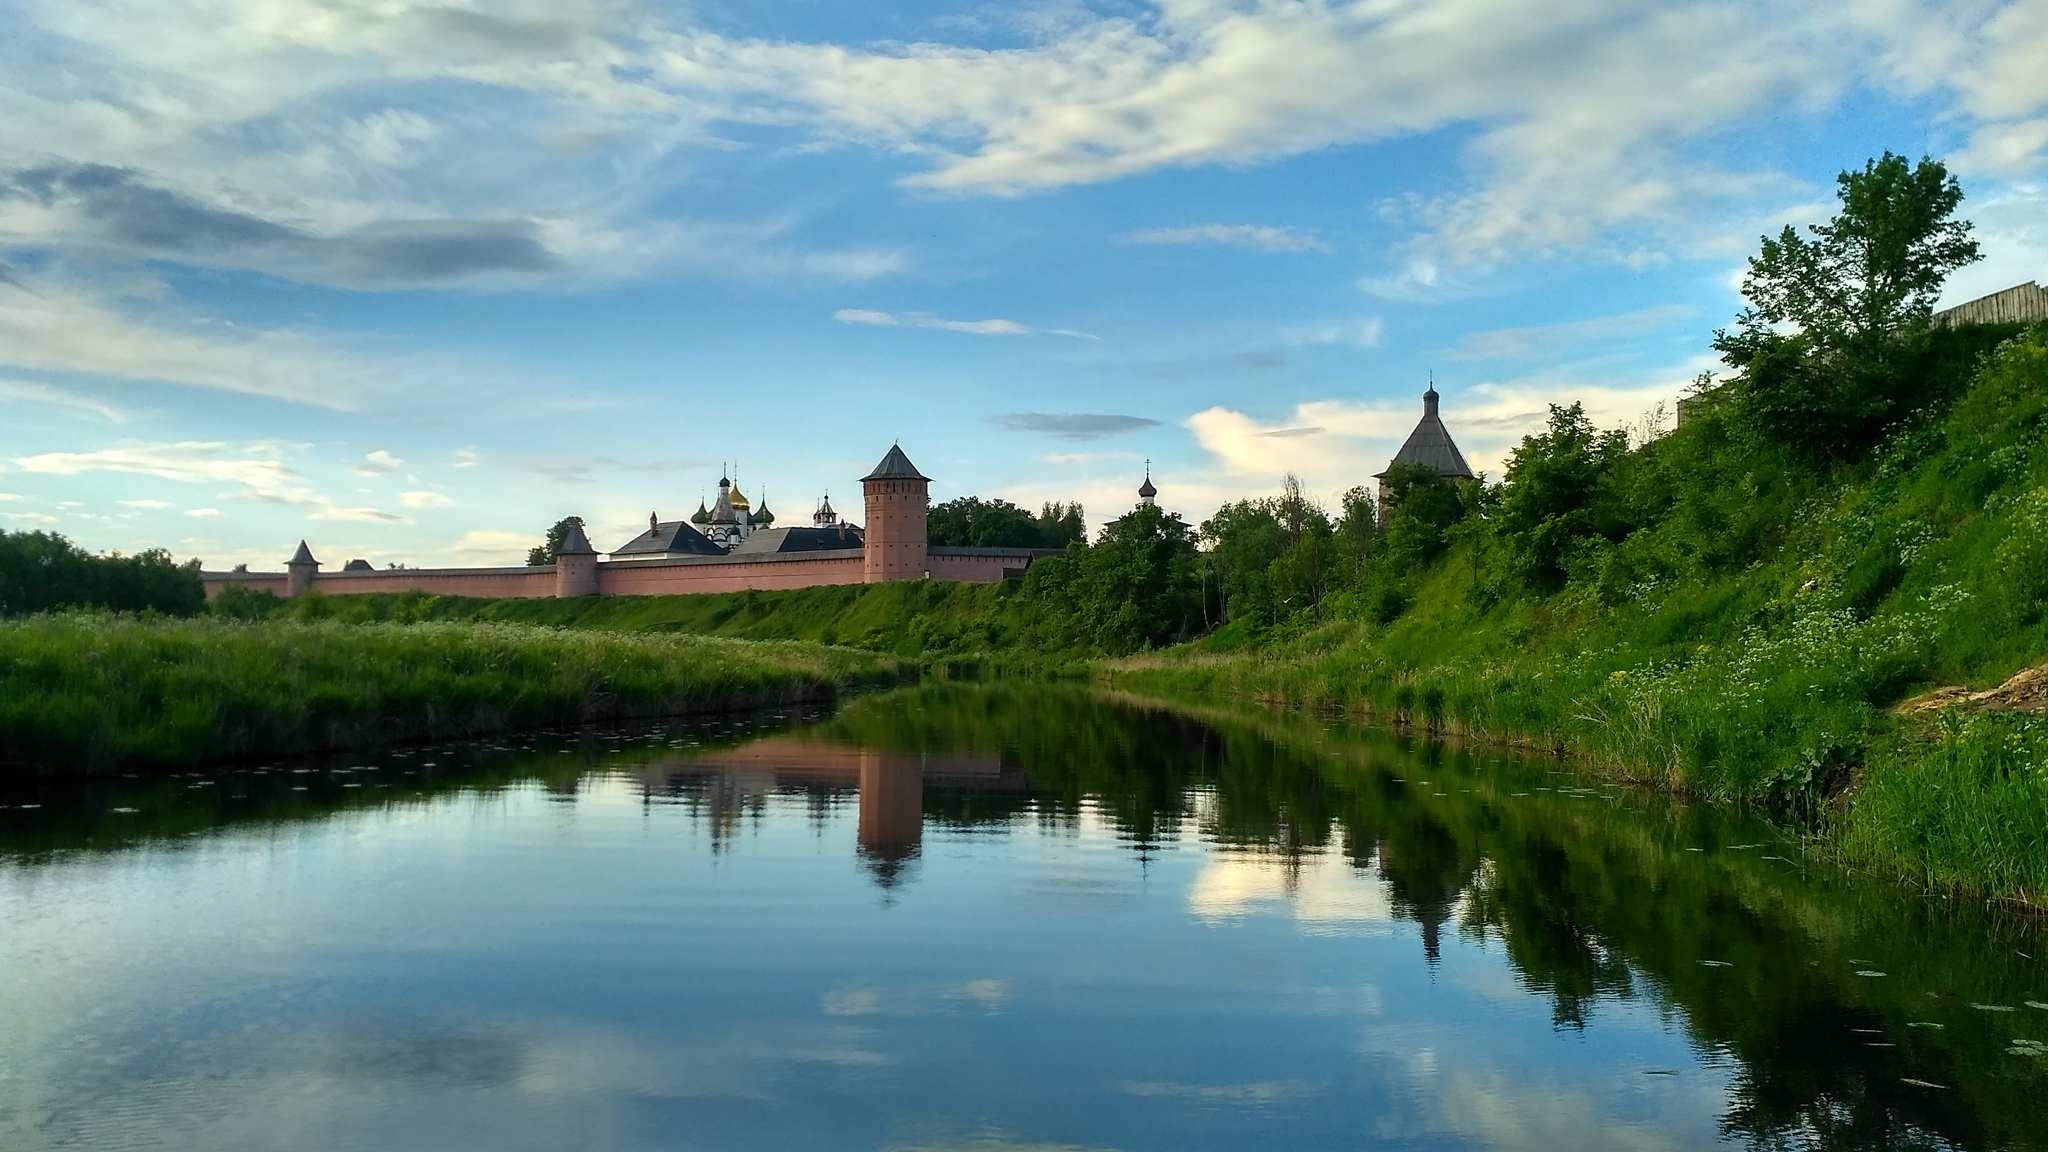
299,571
575,564
897,498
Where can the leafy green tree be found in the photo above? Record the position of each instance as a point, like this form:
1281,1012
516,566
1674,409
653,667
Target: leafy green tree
1061,524
1135,587
543,554
1421,508
971,522
1836,320
1557,495
42,572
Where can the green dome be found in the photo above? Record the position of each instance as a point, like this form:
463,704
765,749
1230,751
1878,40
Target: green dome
703,515
762,518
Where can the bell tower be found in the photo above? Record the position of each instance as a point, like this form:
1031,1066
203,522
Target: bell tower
897,497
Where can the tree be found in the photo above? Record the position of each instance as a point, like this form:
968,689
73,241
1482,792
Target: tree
1133,588
544,554
1556,495
1834,321
971,522
1061,524
42,572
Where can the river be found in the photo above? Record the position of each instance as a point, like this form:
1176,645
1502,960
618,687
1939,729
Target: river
978,917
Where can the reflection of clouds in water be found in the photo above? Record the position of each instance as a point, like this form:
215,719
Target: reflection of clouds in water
1324,893
1467,1082
1262,1092
987,996
418,1081
993,1142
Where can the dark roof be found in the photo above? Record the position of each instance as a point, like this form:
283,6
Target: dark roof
575,543
303,556
1146,489
669,538
358,565
896,466
1431,444
800,540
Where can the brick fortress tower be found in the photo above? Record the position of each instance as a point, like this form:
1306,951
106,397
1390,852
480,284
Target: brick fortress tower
897,496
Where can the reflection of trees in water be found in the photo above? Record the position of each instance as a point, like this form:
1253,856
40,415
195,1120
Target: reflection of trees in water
1589,904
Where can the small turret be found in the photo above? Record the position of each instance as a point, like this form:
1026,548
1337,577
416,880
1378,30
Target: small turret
575,563
1146,492
299,571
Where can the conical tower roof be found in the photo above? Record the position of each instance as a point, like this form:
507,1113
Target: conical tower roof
575,543
896,466
303,556
1431,444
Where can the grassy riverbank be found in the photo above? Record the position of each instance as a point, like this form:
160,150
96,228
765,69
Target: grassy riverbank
1749,641
82,693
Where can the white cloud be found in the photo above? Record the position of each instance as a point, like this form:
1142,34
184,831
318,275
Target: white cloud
50,326
29,518
996,327
10,496
202,513
1335,444
145,504
1264,237
258,469
379,463
344,141
425,500
466,458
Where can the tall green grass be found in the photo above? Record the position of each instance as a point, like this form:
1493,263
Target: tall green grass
86,693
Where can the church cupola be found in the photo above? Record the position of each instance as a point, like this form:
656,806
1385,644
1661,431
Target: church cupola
1147,494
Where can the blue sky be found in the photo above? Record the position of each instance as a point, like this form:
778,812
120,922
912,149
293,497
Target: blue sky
413,280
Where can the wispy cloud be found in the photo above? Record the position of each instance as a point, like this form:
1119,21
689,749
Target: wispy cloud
1263,237
1363,332
1511,343
30,392
995,327
58,327
1071,425
379,463
425,500
257,470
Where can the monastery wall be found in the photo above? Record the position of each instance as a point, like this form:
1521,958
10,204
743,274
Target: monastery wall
896,495
711,574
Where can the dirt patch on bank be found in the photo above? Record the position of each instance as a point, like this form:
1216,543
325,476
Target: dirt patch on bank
2026,691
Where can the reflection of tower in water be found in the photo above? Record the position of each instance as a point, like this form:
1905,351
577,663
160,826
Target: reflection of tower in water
891,812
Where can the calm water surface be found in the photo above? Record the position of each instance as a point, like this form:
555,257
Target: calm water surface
984,918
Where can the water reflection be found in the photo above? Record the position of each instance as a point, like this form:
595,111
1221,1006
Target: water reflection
1106,923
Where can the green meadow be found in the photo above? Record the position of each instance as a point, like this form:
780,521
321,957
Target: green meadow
83,693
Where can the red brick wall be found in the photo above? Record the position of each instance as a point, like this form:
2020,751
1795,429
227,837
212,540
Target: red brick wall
663,580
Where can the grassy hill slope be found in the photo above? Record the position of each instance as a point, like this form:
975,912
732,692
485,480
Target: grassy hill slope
1750,642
